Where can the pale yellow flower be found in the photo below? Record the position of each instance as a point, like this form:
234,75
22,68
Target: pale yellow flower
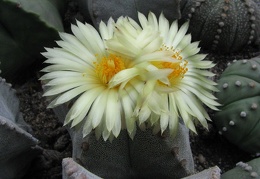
103,85
162,102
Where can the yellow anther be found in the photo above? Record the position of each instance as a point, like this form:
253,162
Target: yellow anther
108,66
179,68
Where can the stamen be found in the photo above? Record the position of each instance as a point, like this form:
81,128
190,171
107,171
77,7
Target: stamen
108,66
179,67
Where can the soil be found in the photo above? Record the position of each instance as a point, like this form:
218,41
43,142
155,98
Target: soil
208,147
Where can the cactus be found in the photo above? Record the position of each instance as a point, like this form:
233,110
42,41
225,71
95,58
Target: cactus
147,155
17,146
97,10
211,173
71,169
239,118
250,170
224,26
26,27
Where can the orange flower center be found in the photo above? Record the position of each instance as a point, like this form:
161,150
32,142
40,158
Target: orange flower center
108,66
179,68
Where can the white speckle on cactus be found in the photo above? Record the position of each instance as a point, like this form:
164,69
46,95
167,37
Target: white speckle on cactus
232,123
220,132
254,106
248,168
254,174
238,83
243,114
244,61
254,67
234,60
224,129
241,164
225,85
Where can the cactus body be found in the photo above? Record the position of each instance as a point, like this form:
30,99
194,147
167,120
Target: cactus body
17,146
225,26
239,117
250,170
25,28
147,156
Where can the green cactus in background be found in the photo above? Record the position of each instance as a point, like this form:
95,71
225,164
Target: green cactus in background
26,26
244,170
239,117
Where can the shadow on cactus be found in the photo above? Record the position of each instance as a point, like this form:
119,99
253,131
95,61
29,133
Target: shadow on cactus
239,118
224,26
25,28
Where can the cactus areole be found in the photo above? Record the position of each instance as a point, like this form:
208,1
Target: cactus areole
239,118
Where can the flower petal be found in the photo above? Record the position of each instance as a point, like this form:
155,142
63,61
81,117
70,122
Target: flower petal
124,75
112,110
98,109
163,26
106,32
171,34
128,107
82,105
180,34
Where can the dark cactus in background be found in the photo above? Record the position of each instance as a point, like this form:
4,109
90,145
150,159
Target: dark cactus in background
26,27
97,10
239,117
224,26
